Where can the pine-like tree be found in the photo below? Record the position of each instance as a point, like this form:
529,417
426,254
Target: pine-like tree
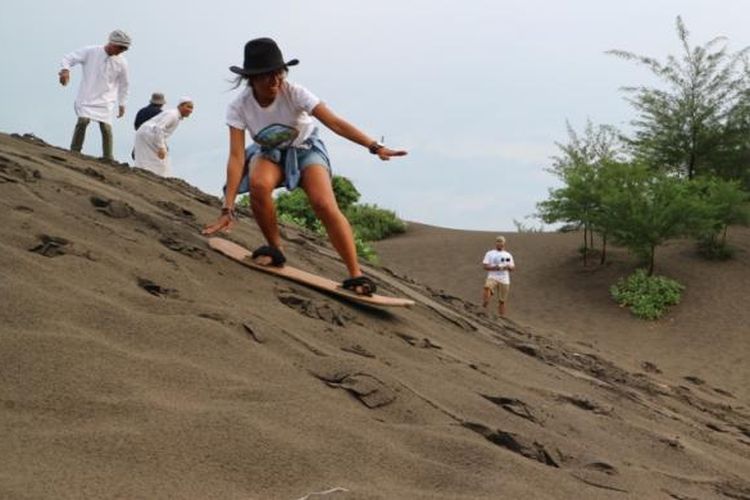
699,123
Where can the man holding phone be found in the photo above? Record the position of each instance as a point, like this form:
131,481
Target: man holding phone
499,264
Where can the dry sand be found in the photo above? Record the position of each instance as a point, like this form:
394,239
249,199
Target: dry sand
705,337
136,363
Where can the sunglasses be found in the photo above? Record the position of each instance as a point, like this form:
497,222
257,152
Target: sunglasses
270,76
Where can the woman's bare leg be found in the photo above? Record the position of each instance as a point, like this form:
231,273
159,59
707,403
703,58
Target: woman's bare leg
265,176
317,185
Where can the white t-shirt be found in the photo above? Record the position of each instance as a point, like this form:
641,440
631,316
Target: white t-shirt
499,258
286,122
104,82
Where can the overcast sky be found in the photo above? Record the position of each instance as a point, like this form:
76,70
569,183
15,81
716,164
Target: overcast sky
477,91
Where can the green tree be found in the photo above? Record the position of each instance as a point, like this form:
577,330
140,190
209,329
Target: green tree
726,205
579,168
647,208
700,122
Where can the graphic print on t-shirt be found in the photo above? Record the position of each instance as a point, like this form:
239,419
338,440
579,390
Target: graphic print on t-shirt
276,136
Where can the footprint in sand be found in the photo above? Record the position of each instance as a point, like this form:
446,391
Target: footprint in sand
512,405
51,246
114,208
525,447
177,210
183,248
313,309
358,350
156,290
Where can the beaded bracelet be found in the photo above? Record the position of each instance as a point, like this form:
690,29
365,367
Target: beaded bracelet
230,212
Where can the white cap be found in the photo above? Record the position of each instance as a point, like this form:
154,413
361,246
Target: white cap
119,37
184,99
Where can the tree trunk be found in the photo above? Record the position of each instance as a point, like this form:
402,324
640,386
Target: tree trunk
585,245
604,249
693,140
651,261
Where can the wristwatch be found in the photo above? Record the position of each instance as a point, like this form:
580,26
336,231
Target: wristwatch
375,147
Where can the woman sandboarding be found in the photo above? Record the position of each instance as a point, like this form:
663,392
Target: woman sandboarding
278,114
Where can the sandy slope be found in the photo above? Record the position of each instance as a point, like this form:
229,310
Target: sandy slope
135,363
706,337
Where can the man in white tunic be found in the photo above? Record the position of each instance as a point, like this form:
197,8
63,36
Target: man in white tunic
151,150
104,85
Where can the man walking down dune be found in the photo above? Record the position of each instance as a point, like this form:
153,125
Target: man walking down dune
104,84
499,264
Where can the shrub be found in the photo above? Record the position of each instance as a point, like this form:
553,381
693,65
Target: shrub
373,223
648,297
344,191
294,206
714,249
369,223
290,219
365,250
726,204
243,201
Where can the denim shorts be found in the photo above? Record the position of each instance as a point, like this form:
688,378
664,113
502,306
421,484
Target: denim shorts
305,158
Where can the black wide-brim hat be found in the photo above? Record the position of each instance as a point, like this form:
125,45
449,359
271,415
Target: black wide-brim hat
262,55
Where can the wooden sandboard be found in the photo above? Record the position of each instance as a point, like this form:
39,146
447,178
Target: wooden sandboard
242,255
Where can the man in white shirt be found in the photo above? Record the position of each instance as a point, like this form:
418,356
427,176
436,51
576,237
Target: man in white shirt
104,85
151,150
499,264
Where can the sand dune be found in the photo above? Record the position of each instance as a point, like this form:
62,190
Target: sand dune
706,336
136,363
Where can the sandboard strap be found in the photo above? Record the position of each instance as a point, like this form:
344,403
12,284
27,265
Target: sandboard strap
365,284
277,258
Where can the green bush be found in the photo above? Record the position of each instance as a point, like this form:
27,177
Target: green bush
244,201
365,250
374,223
714,249
369,223
294,206
648,297
290,219
344,191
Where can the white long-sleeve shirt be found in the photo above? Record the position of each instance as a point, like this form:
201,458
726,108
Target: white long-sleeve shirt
104,83
160,127
151,137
